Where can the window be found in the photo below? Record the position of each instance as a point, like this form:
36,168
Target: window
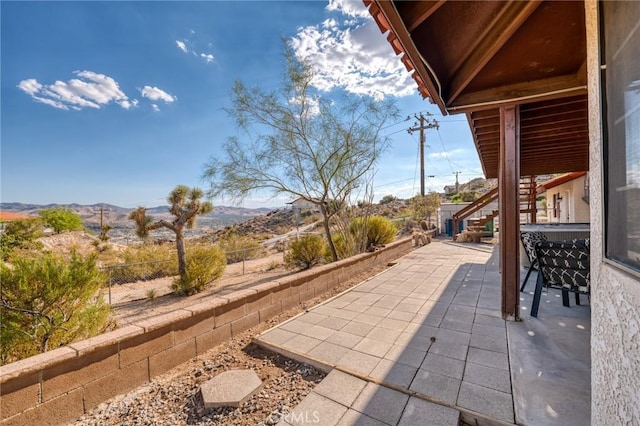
621,78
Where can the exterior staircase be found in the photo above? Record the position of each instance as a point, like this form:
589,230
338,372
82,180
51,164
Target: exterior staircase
527,205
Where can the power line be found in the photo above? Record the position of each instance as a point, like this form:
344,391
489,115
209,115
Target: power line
424,125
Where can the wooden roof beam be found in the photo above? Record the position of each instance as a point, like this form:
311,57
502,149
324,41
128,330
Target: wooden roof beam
415,13
494,37
393,21
520,93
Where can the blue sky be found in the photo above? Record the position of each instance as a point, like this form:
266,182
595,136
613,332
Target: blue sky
119,102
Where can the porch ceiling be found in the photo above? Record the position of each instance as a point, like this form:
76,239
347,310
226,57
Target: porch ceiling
474,56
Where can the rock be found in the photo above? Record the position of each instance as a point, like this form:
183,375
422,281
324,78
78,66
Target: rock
230,389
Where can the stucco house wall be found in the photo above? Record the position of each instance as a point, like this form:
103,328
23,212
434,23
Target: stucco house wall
615,296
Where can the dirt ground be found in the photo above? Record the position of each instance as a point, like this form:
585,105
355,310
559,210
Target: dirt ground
133,302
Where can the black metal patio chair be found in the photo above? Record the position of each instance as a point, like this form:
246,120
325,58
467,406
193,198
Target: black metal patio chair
563,265
529,240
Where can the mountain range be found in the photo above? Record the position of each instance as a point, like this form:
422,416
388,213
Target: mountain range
118,217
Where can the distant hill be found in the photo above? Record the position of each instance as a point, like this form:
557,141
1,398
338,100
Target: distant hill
118,217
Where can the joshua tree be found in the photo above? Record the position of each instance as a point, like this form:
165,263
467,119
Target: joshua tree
185,205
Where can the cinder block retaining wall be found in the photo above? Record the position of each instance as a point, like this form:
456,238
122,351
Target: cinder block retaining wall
59,386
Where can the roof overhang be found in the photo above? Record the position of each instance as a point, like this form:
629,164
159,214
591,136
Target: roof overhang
474,57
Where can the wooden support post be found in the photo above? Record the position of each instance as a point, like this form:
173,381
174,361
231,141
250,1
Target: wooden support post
509,208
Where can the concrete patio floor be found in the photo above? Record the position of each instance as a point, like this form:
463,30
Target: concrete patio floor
423,343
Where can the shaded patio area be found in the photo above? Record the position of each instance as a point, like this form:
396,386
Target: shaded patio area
424,343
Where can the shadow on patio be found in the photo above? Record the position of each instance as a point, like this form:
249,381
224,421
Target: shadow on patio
423,342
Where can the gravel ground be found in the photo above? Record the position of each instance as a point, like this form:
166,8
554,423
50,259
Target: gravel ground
173,398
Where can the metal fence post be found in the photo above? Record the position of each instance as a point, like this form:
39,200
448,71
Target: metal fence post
110,286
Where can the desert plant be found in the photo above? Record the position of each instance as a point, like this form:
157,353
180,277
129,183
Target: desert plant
238,248
185,205
379,230
205,263
273,265
48,302
387,199
20,234
301,143
151,294
60,219
143,262
424,206
305,252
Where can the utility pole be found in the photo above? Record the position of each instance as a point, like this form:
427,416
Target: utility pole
457,184
425,123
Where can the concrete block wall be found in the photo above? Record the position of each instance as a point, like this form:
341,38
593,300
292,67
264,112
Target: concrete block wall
59,386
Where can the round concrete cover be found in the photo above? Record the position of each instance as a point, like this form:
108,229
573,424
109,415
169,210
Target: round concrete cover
230,389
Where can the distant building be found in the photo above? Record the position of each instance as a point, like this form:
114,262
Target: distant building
449,189
6,217
567,198
302,204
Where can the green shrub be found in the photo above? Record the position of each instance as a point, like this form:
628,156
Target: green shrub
345,245
238,248
205,263
48,302
61,219
20,234
305,252
379,230
144,262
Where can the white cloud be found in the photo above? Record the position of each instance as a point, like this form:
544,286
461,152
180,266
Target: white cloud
30,86
182,46
192,31
207,57
447,154
351,8
90,90
155,107
156,94
350,52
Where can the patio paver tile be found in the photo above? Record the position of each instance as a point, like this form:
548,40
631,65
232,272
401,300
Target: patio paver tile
489,320
373,347
488,377
394,373
358,328
377,311
450,349
381,403
334,323
317,409
314,317
443,365
401,316
318,332
404,355
340,387
301,343
487,401
418,412
359,362
489,343
277,336
489,330
354,418
345,339
327,352
393,324
436,385
488,358
384,334
367,318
